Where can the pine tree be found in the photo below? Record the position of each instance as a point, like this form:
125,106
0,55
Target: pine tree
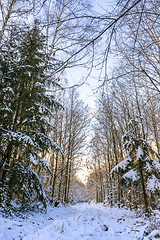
25,110
138,168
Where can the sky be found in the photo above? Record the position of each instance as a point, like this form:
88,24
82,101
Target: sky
78,74
85,90
88,91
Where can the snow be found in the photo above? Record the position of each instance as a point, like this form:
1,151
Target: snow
147,167
152,235
156,165
17,136
81,221
47,122
44,165
131,174
153,184
39,84
43,109
123,164
33,159
8,89
139,153
6,108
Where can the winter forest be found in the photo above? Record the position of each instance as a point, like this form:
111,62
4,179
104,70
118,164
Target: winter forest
57,151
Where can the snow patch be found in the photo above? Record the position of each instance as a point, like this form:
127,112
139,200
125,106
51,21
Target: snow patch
153,184
79,222
132,174
33,159
139,153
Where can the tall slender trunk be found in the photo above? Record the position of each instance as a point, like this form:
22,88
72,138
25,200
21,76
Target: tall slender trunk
7,161
66,181
138,107
110,182
144,191
54,177
61,179
69,180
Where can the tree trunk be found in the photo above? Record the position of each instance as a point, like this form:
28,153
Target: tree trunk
144,192
54,177
61,179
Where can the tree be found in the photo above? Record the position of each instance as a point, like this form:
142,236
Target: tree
137,42
138,169
67,25
70,133
71,27
25,111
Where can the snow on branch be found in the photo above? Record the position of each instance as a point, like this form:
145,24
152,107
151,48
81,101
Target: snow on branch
132,174
122,165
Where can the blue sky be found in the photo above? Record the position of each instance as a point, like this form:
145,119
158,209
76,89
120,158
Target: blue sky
78,74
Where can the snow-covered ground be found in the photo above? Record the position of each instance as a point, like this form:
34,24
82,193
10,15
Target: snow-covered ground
81,221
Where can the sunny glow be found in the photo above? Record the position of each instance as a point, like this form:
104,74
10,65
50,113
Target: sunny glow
82,174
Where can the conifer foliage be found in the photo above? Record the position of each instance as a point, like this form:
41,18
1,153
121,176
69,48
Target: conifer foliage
138,168
25,109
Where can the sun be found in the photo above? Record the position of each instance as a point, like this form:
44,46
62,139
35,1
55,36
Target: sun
83,174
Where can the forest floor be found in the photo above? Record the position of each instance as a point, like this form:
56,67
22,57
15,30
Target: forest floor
81,221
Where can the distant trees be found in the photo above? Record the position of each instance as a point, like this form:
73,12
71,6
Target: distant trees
36,39
32,126
39,40
117,104
71,132
132,89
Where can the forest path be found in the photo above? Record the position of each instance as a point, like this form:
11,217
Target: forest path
91,222
75,222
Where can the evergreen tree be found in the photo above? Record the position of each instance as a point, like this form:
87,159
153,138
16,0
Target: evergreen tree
138,168
25,110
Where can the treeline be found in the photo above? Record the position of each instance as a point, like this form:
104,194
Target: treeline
42,142
70,133
131,93
42,125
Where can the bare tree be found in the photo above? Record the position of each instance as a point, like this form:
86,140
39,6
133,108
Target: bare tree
70,133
